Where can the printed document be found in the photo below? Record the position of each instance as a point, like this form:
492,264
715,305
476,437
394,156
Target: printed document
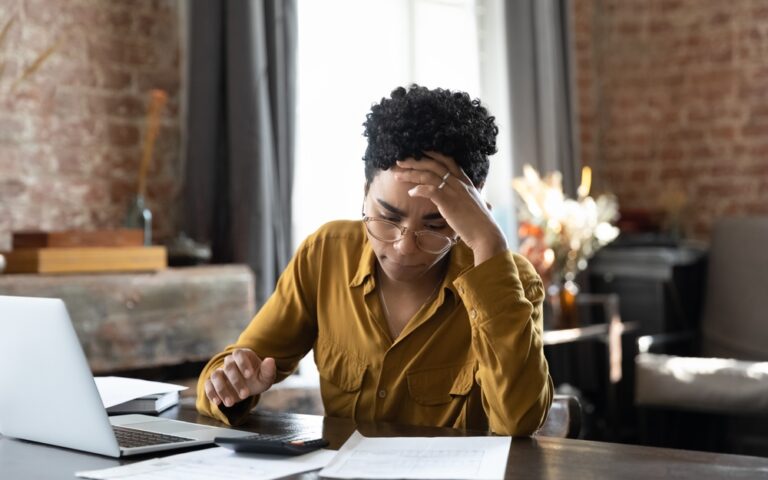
214,464
117,390
470,458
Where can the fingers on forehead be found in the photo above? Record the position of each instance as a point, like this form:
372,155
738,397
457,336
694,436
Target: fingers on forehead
425,163
444,160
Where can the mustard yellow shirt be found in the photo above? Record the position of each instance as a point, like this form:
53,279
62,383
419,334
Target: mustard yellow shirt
471,358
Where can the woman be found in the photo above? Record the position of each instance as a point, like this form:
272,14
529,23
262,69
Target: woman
417,314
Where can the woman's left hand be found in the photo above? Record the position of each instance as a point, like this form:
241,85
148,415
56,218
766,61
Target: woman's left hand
441,180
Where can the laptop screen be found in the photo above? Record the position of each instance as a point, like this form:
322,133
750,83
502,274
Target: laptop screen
49,394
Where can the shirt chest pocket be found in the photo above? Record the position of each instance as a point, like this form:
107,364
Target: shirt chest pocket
440,386
341,379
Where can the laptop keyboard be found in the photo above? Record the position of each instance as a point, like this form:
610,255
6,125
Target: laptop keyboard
129,438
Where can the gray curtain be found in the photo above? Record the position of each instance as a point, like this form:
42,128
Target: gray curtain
239,162
538,48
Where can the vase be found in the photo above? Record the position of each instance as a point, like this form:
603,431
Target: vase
139,216
561,295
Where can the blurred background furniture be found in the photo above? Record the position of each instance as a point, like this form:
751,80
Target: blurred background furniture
563,419
587,361
660,282
148,324
724,370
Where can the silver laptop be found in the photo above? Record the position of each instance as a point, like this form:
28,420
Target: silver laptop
49,395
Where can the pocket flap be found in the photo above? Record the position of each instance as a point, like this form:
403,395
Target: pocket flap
435,386
336,367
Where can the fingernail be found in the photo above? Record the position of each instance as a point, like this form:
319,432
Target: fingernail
243,393
228,402
216,402
412,191
247,373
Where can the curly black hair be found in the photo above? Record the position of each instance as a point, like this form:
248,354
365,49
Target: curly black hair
418,119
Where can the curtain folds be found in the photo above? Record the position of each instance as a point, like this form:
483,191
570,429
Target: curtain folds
241,103
538,51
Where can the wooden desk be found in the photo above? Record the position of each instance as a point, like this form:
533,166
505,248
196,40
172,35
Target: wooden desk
529,458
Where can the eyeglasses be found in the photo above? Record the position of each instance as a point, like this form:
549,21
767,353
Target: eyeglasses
427,241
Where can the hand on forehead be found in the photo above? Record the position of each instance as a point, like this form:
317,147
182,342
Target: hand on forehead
439,157
432,162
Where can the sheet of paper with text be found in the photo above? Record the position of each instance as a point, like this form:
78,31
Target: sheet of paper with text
470,458
214,464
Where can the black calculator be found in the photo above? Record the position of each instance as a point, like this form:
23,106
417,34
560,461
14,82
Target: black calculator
289,444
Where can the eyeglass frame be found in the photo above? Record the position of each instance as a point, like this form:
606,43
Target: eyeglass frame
403,230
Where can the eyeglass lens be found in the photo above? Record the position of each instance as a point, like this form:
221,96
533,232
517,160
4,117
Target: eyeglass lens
426,240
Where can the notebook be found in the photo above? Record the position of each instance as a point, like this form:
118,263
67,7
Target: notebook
149,404
49,395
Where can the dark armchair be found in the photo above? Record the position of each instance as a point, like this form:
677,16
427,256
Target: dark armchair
723,369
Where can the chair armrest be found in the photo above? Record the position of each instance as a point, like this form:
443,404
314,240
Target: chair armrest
563,419
680,342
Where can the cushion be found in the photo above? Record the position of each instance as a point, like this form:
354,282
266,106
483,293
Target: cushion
707,384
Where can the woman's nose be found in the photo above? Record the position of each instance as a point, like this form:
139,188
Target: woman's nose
406,244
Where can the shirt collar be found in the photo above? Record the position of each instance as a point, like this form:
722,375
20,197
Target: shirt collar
367,262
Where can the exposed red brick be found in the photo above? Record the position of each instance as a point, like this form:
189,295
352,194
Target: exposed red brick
121,135
70,135
167,80
759,131
126,106
720,189
720,18
726,133
11,189
687,78
115,79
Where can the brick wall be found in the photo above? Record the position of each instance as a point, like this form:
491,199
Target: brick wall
672,101
70,136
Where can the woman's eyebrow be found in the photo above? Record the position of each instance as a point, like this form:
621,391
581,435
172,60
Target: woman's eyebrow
397,211
391,208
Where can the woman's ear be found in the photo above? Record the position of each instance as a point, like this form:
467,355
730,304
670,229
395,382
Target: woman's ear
365,195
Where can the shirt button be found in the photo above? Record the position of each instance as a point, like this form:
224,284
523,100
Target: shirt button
382,393
473,313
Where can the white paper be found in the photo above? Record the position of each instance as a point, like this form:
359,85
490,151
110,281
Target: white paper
214,464
116,390
471,458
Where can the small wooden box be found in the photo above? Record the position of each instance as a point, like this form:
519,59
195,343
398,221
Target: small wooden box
86,259
124,237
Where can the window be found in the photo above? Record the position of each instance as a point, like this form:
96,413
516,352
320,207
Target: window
346,66
354,52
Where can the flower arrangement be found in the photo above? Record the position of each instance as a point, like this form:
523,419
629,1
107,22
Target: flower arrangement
558,234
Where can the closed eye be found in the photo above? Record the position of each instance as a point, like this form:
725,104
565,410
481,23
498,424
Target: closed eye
435,227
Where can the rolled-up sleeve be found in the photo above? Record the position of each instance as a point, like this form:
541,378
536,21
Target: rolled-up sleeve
503,297
285,328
